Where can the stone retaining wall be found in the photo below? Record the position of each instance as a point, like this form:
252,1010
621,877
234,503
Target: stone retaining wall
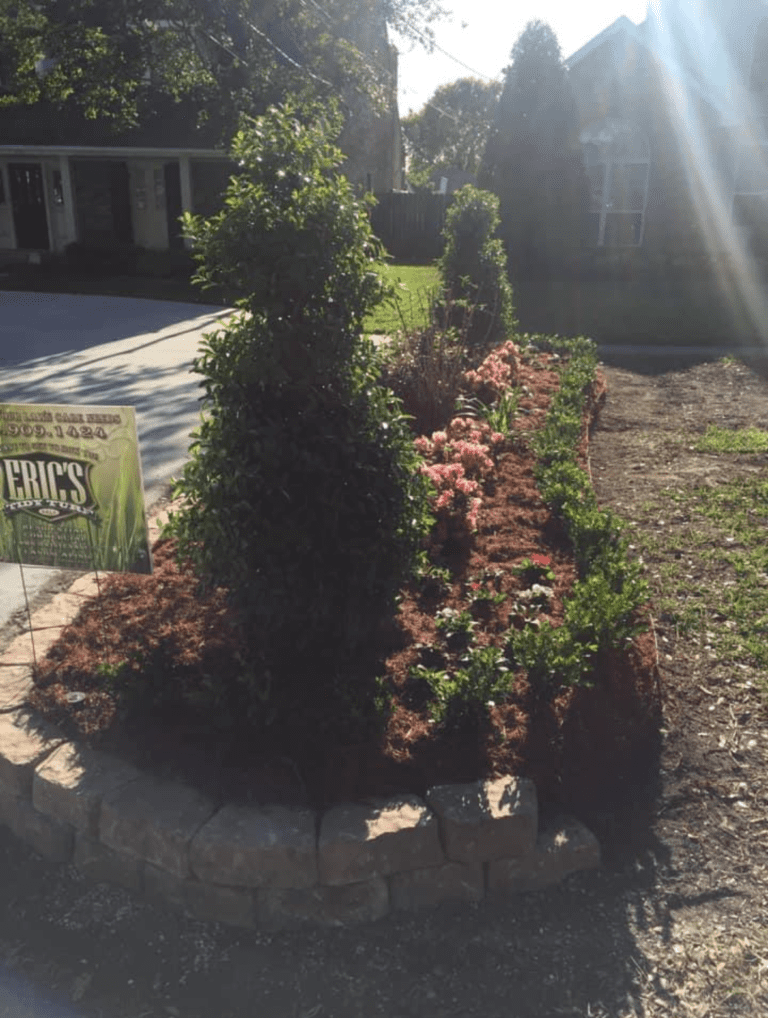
263,866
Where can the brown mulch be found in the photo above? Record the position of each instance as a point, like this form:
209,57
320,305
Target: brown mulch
579,748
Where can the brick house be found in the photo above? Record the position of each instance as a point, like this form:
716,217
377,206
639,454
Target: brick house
64,178
672,117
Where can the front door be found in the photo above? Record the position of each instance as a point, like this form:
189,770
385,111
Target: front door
28,202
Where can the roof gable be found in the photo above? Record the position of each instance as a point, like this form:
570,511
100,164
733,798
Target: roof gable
620,26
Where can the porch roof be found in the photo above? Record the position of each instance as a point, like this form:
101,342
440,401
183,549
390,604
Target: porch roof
111,152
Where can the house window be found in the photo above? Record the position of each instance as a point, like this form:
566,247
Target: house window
758,78
750,193
617,162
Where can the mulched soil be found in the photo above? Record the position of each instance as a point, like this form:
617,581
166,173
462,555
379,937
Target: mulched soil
578,749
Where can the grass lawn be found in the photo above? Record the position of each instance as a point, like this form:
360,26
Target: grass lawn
409,309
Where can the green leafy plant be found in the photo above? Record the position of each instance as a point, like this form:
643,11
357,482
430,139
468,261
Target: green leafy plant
455,626
480,594
433,579
603,610
462,698
478,296
498,416
303,494
112,671
534,569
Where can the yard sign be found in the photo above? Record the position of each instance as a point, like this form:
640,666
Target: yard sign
71,490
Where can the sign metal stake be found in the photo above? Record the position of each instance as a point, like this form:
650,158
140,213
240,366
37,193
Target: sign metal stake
24,588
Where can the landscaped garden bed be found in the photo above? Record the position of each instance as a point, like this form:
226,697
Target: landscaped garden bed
360,595
475,590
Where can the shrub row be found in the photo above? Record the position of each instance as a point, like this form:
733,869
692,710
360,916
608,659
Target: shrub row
604,608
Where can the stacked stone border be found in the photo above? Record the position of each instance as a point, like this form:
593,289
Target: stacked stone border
263,866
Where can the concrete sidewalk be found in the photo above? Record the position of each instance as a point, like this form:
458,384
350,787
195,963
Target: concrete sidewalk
94,350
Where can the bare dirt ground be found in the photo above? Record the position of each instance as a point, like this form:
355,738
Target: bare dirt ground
675,923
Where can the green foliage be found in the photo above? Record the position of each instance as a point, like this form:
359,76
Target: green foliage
461,699
478,297
597,617
456,627
533,161
119,62
602,611
304,497
451,130
498,416
292,244
738,440
534,570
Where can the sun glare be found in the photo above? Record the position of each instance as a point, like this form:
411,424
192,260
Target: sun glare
711,90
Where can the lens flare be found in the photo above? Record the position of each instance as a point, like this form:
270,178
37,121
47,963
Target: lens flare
712,61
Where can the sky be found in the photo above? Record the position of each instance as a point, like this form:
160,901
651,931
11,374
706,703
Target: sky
481,34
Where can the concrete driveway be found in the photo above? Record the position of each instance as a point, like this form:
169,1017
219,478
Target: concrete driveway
63,348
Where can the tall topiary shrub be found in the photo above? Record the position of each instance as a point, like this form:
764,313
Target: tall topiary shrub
303,496
478,295
533,160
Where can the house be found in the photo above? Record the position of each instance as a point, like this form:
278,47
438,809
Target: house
64,178
672,117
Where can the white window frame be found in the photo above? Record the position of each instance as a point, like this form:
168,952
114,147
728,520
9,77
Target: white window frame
608,161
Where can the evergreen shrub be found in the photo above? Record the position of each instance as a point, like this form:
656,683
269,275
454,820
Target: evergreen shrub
303,494
477,299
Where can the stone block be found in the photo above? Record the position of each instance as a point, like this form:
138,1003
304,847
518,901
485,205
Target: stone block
249,846
484,820
107,865
49,838
84,587
154,820
349,904
385,836
70,784
564,846
207,902
453,881
25,740
57,613
15,686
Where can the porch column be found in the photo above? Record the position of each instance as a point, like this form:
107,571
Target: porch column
185,178
68,193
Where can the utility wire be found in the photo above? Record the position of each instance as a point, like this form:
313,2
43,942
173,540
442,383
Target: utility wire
445,52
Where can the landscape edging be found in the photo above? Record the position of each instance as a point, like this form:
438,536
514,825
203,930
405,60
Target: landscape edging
269,866
263,867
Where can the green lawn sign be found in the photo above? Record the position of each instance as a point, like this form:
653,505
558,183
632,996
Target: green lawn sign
71,491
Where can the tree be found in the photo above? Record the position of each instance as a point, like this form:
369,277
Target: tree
451,131
473,269
532,160
303,496
112,59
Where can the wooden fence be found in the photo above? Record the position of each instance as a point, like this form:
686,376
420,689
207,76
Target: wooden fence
410,225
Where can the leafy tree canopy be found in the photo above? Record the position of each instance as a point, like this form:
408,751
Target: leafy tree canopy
113,58
451,131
